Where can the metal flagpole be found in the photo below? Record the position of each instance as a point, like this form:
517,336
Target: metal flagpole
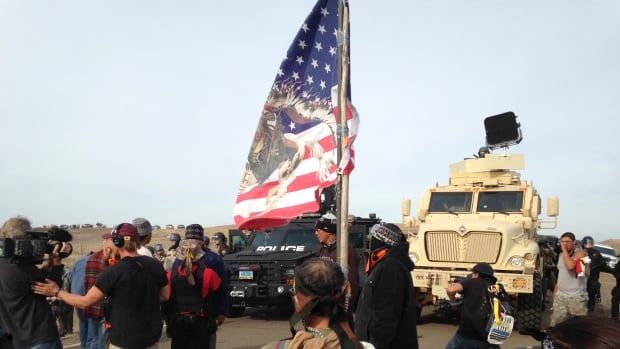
342,189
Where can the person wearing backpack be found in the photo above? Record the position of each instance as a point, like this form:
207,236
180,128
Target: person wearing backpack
191,282
475,309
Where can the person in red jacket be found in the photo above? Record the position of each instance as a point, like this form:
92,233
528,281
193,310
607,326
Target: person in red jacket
191,282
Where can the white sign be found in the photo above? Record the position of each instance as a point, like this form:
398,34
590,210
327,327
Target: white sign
281,248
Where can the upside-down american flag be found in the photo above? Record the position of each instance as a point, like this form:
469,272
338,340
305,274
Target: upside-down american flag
294,152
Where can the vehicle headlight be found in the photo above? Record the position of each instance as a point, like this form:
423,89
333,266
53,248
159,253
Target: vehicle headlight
516,261
289,272
414,257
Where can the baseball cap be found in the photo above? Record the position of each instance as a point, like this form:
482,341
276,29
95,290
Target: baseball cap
485,269
143,225
126,230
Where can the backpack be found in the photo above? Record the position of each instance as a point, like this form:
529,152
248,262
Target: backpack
498,311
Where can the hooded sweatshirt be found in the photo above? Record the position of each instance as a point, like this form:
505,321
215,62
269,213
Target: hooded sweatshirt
386,313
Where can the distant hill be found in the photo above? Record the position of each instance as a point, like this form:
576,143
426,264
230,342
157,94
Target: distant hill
615,243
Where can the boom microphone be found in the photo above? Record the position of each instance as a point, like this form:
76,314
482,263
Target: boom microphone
59,234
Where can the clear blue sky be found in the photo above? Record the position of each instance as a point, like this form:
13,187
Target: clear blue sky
115,109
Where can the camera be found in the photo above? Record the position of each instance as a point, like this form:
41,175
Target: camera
31,248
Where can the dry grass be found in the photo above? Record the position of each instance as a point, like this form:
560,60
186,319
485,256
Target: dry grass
89,239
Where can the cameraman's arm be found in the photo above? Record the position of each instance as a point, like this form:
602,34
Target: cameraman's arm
54,267
54,273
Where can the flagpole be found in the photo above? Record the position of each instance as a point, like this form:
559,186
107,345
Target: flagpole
343,133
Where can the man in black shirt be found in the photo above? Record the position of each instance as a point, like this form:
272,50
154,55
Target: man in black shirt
25,316
472,328
135,286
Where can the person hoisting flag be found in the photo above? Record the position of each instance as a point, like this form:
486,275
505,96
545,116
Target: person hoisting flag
294,151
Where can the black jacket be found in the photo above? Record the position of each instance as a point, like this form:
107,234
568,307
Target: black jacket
354,280
597,264
386,313
25,315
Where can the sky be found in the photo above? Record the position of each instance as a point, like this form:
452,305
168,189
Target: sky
111,110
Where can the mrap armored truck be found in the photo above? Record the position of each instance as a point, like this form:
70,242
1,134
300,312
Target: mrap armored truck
486,213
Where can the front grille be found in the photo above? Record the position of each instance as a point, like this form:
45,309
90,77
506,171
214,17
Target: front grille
267,273
472,247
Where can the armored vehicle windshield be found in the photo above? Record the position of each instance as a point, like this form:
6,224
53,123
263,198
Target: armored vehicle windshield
500,201
293,237
450,202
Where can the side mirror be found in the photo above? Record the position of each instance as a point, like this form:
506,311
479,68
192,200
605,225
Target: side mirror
422,213
535,210
553,206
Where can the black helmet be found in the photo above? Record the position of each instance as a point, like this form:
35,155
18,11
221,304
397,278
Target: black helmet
485,269
174,237
219,236
587,241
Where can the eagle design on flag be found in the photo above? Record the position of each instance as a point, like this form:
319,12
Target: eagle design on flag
277,151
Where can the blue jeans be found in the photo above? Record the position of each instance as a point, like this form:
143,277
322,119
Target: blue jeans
102,335
460,342
92,332
84,330
56,344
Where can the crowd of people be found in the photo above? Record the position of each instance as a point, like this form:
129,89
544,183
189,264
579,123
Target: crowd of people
125,294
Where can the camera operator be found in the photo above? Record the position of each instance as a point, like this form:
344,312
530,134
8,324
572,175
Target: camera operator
25,316
135,285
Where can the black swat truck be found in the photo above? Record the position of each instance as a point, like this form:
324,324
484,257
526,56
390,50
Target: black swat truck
264,271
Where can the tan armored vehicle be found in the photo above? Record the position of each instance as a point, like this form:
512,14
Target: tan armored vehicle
486,213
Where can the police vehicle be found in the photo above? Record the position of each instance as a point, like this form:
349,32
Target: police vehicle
263,273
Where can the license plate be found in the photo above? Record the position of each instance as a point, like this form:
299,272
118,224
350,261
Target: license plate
246,275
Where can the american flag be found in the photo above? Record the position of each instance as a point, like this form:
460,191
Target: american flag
294,152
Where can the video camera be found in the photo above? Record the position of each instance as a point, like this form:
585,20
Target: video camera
32,247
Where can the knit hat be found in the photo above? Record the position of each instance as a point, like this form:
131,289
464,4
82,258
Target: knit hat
144,226
194,232
387,233
327,222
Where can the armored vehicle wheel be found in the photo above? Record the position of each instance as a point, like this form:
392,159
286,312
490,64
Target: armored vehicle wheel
530,307
236,311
